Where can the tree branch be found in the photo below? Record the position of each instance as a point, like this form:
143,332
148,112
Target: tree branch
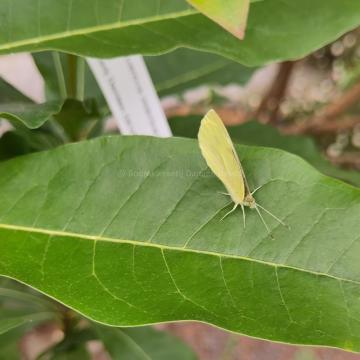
268,110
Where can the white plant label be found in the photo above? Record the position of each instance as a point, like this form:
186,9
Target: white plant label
131,95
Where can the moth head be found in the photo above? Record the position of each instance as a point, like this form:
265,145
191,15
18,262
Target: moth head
249,201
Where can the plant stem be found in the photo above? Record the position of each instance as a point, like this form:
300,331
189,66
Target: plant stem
268,111
72,81
59,74
80,83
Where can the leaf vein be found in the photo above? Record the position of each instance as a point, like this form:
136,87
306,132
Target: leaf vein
282,295
178,290
105,288
176,205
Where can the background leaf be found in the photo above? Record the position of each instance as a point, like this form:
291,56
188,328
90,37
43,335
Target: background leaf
20,311
18,108
142,343
73,345
127,231
24,114
34,115
21,141
184,69
12,321
30,114
34,127
123,27
78,118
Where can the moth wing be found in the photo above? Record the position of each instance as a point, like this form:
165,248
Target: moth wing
220,155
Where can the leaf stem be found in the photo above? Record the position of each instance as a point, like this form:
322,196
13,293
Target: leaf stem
59,74
80,83
72,75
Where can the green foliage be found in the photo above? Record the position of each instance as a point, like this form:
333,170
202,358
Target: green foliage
17,108
127,230
276,30
184,69
171,73
37,127
25,115
46,64
31,115
22,309
137,232
142,343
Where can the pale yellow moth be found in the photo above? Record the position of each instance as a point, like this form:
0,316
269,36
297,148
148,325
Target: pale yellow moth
221,157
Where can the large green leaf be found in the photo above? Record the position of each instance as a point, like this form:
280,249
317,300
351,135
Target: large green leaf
277,29
256,134
142,343
127,231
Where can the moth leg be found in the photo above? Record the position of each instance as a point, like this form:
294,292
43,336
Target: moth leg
243,212
228,213
223,193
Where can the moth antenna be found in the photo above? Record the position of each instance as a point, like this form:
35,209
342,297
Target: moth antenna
243,213
275,217
255,190
228,213
263,221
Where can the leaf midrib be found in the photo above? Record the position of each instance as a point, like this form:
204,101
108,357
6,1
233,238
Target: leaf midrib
93,29
166,247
